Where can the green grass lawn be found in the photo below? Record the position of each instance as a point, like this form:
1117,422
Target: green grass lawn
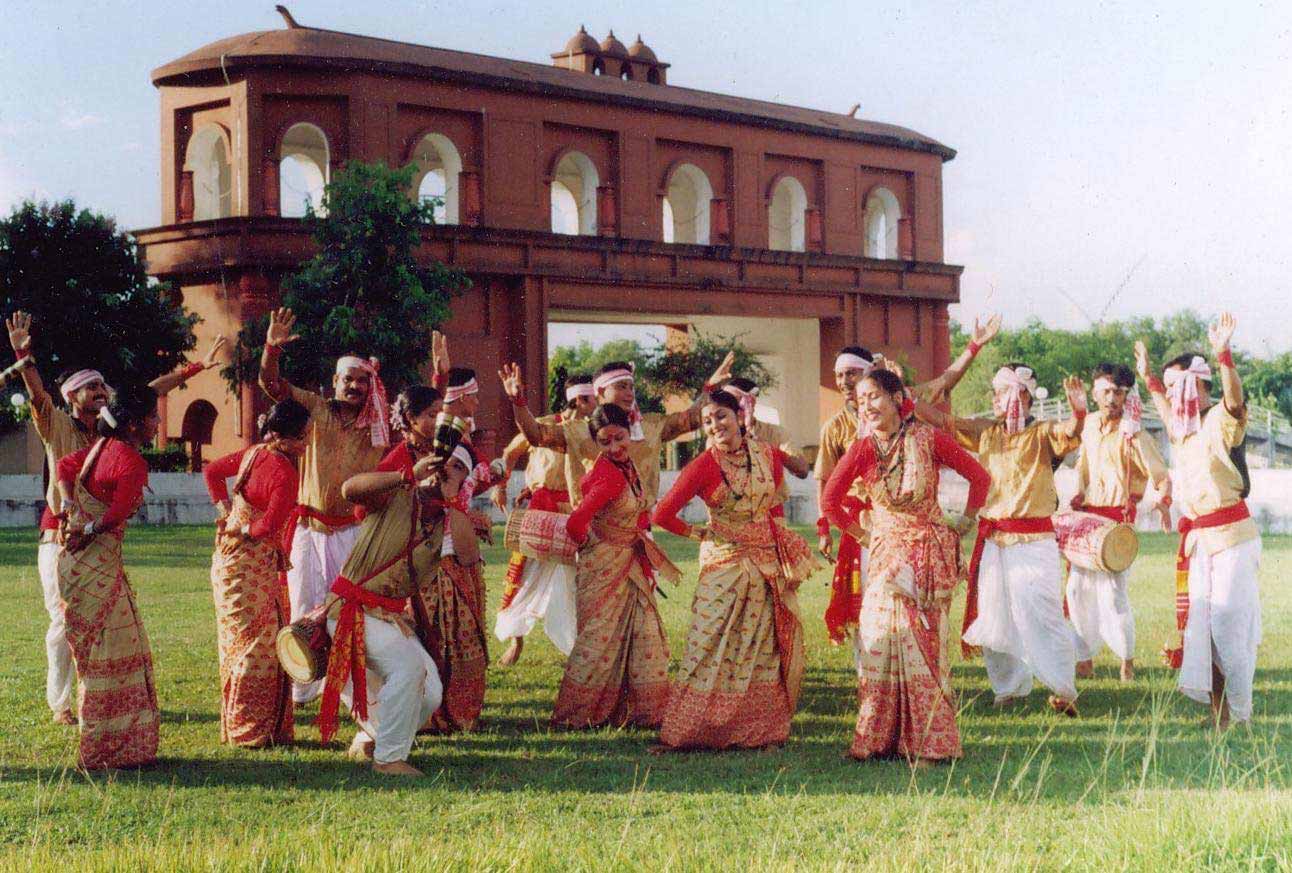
1135,782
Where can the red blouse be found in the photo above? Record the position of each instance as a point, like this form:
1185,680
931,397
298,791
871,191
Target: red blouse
118,479
860,460
699,479
271,488
600,486
397,460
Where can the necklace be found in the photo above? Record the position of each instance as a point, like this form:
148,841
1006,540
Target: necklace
891,459
749,471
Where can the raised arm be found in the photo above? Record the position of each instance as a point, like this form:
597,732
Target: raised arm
549,436
164,384
678,423
372,490
281,322
1220,334
19,326
939,389
510,458
1075,390
439,361
1156,390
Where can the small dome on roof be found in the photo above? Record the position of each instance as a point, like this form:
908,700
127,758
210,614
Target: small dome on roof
612,47
582,43
639,51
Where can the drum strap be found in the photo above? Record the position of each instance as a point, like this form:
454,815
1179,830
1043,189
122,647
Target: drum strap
1174,657
987,527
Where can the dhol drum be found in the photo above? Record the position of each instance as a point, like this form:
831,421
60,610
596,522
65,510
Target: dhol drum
541,535
303,648
1094,542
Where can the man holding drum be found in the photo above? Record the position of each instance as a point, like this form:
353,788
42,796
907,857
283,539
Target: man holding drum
1116,462
1217,599
1014,605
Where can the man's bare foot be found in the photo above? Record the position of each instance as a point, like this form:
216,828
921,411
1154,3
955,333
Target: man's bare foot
1063,706
1085,669
396,768
512,655
1128,670
64,717
361,748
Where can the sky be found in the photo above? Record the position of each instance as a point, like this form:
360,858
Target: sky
1115,158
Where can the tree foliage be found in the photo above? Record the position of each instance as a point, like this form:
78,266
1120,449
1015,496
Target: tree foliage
661,372
363,292
90,297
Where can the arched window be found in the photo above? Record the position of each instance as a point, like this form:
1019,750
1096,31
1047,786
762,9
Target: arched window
652,75
882,215
686,206
207,157
439,167
598,67
303,170
787,216
574,195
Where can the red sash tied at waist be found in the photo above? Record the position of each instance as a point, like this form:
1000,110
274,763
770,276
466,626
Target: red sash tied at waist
987,527
1114,513
348,658
1174,657
301,511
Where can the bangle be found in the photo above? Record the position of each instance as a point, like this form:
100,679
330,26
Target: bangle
88,530
1225,358
973,348
1155,385
191,370
22,354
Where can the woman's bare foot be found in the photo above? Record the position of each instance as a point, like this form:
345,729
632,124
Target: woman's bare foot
361,748
512,655
1085,669
1063,706
64,717
396,768
1128,670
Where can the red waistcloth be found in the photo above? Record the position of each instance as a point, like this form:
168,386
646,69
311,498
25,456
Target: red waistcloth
270,487
348,658
118,479
1174,657
1114,513
300,511
986,527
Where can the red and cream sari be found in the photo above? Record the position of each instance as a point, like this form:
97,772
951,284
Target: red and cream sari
739,680
449,611
250,608
617,673
117,697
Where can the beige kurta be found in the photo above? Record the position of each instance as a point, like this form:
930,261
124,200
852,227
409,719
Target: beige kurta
336,448
581,449
1206,478
62,435
1109,463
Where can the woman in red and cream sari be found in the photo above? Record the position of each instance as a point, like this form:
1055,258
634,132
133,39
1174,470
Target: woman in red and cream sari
739,681
906,705
617,672
101,486
248,574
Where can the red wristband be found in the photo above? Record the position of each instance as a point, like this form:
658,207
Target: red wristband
22,353
974,348
191,370
1155,385
1225,358
522,400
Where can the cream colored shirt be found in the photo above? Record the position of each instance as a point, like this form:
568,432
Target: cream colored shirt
62,435
1206,478
545,467
1108,463
336,448
581,449
1021,467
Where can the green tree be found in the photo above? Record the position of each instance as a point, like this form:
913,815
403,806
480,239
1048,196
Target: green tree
90,296
363,292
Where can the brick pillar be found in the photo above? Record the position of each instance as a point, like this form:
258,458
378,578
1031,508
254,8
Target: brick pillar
719,222
607,223
905,240
270,187
815,238
469,199
184,211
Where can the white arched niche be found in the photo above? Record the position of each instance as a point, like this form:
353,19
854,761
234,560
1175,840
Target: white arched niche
207,158
439,167
882,214
686,206
787,216
574,195
303,170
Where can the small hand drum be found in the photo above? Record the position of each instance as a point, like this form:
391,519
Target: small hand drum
303,648
541,535
449,431
1095,543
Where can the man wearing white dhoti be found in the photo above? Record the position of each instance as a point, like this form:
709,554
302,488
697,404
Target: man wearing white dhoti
1014,606
1217,597
1116,462
538,589
347,434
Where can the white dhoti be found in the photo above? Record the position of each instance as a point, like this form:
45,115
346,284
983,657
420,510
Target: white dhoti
404,689
1224,625
1099,606
547,592
317,559
58,654
1020,626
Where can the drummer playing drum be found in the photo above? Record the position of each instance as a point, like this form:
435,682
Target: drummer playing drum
1116,462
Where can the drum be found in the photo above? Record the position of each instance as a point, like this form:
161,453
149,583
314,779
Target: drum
541,535
1094,542
303,648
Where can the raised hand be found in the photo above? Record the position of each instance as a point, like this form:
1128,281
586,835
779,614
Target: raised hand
19,326
512,383
723,373
281,322
439,353
212,358
985,333
1142,367
1221,332
1075,390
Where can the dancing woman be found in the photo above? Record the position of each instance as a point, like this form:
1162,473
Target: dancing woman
905,702
739,681
101,486
251,603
